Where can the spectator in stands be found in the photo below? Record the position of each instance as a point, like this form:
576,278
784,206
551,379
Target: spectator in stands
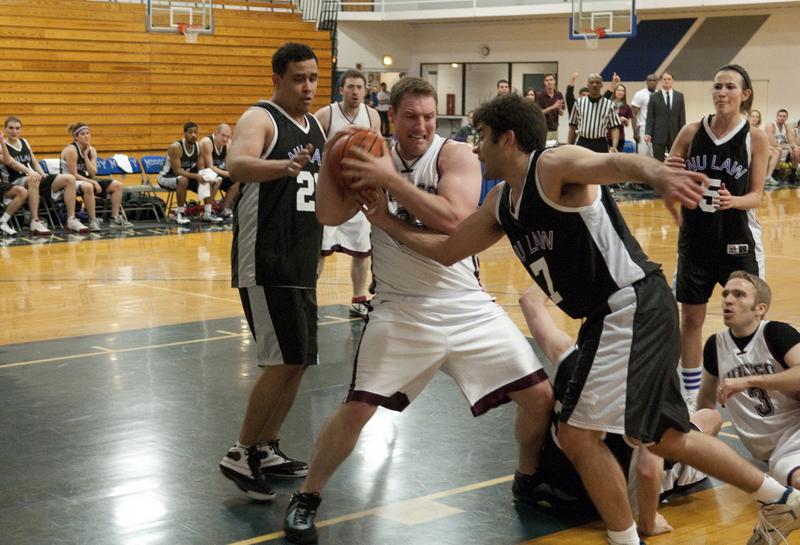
80,160
592,118
383,110
551,101
466,133
180,173
666,116
625,113
24,169
570,98
530,93
213,150
639,107
503,87
781,136
12,196
774,151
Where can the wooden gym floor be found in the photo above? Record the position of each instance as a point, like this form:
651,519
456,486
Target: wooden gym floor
124,369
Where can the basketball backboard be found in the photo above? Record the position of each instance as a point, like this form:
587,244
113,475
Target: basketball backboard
602,18
173,15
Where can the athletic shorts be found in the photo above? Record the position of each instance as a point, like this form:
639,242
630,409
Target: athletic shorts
226,183
694,281
474,341
351,237
84,186
171,183
624,379
283,322
4,187
785,459
599,145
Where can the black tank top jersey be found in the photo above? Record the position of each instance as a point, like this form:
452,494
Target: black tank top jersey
24,156
578,256
705,233
276,236
218,158
80,165
188,159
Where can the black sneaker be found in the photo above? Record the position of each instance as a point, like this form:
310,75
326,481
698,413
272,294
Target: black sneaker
242,466
530,489
298,524
274,463
360,309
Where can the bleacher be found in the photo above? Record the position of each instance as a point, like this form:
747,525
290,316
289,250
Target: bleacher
79,60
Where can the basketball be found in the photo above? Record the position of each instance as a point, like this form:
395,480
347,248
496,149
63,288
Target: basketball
368,140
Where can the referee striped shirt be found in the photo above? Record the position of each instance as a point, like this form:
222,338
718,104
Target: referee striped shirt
592,117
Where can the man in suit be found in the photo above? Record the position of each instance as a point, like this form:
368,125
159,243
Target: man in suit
666,114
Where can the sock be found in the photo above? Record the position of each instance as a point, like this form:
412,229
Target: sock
690,378
770,491
207,209
238,444
359,299
179,209
4,218
626,537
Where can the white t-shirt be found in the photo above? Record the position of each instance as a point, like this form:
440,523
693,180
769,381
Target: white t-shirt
640,100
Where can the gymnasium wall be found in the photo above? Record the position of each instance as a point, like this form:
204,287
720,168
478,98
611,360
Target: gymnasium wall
693,44
75,60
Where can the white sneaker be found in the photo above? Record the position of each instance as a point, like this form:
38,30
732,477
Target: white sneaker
211,217
777,520
94,224
180,219
7,229
74,225
39,229
226,213
274,463
119,222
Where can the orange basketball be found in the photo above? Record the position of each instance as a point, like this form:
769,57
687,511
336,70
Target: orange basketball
368,140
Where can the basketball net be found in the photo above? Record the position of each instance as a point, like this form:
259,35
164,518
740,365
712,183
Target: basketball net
190,32
592,37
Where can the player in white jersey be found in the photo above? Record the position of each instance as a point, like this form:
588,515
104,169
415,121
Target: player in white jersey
753,368
426,317
639,106
351,237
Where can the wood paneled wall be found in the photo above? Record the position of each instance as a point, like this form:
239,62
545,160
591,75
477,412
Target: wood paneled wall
73,60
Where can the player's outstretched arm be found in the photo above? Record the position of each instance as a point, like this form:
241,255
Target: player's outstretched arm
553,341
476,233
785,381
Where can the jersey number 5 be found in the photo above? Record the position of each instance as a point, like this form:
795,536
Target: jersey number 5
539,267
305,193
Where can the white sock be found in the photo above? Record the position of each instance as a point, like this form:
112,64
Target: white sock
207,209
626,537
770,491
4,218
179,209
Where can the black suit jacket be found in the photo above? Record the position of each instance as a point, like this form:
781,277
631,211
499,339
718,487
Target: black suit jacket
663,125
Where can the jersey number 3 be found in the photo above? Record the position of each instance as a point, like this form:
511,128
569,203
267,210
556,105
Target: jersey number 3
305,193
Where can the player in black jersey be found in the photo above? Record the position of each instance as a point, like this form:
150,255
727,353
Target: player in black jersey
275,155
12,196
722,235
80,159
572,239
24,169
213,154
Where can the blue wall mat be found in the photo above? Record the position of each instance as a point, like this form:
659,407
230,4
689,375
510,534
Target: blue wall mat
642,55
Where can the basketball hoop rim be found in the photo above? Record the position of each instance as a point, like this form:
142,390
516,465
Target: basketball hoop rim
190,32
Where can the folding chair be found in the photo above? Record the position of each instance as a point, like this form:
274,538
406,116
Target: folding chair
46,203
142,190
152,165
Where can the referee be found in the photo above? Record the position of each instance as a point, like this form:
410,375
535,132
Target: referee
591,119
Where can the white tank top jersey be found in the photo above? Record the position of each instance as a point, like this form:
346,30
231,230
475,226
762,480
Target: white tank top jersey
761,417
397,269
780,135
340,121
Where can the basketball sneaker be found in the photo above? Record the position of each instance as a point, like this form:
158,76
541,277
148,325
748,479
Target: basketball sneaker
226,213
243,466
274,463
180,219
211,217
530,489
298,524
119,222
74,225
360,307
777,520
39,229
7,229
